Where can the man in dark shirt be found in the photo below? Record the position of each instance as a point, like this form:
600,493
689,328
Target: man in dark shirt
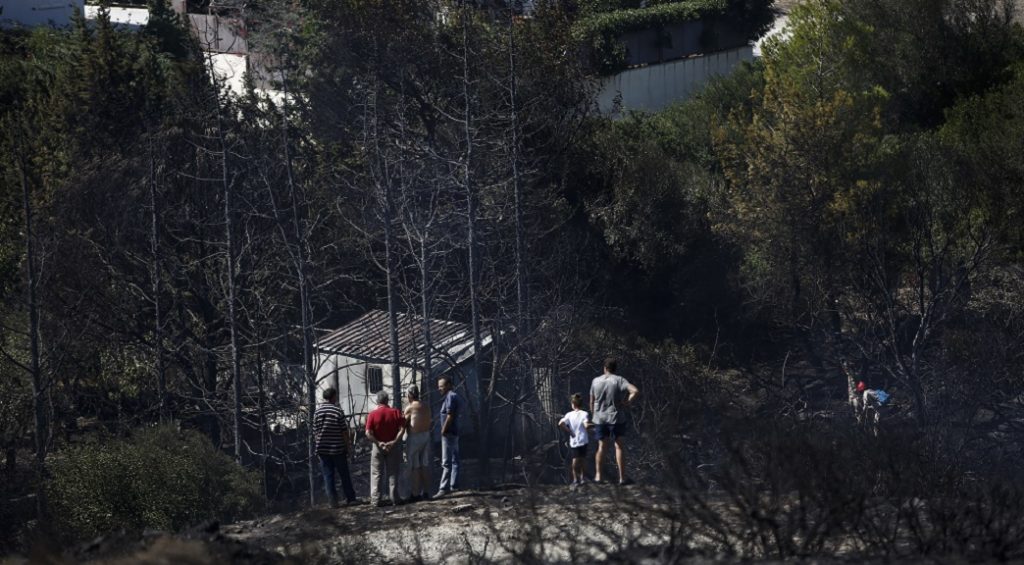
333,446
385,427
451,407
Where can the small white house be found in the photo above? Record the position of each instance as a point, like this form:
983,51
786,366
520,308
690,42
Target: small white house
355,359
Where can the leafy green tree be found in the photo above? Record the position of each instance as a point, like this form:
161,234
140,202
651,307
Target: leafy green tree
855,225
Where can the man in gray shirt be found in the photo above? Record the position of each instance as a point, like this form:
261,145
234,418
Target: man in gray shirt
609,394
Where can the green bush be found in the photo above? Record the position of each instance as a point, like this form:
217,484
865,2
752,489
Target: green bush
160,478
601,31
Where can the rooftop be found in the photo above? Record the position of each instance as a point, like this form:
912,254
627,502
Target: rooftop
367,338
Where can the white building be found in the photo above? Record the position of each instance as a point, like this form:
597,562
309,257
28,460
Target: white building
355,360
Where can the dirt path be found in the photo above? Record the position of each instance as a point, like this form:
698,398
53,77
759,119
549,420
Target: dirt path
550,523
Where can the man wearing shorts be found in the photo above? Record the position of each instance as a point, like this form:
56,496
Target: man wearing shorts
610,394
417,445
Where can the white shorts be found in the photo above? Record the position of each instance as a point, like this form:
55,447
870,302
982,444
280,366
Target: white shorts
417,450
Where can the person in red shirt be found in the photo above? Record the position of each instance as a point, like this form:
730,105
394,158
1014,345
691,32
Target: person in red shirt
385,427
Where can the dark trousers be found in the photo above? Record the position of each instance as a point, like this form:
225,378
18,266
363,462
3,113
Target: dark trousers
331,465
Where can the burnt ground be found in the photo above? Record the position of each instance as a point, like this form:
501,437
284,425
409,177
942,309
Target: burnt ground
511,523
549,523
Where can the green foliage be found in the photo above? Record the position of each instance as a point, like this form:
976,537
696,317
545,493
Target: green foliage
601,31
602,23
591,7
925,54
988,132
849,205
623,19
160,478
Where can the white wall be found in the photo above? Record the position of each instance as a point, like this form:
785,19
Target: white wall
38,12
124,18
654,87
348,376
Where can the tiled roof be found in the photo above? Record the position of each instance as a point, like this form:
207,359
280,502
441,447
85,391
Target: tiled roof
366,338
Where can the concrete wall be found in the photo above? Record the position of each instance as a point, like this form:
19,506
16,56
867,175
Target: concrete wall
653,46
30,13
654,87
219,35
348,377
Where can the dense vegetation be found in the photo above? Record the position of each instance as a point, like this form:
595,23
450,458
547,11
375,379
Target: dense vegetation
600,24
159,479
855,195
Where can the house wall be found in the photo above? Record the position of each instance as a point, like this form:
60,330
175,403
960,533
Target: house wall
31,13
654,87
348,376
671,42
218,34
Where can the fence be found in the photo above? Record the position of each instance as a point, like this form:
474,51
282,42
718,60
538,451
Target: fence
654,87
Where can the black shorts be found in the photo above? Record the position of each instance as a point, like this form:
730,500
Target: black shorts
578,452
611,431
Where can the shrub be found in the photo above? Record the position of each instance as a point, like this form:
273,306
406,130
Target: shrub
601,31
160,478
782,490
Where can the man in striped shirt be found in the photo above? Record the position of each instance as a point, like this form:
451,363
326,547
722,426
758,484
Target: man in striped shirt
333,446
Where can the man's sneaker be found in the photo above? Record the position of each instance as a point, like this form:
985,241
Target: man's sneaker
625,482
440,494
574,486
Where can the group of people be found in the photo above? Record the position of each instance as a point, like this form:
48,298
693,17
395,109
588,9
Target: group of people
385,429
610,395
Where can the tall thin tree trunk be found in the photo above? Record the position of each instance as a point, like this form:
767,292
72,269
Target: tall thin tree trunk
389,261
229,237
472,235
261,415
425,300
385,185
38,399
524,384
302,272
158,334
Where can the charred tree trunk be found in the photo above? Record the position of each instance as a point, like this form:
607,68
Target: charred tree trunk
391,268
472,233
35,368
229,238
158,322
301,258
425,300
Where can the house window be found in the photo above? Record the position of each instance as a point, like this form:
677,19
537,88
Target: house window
374,379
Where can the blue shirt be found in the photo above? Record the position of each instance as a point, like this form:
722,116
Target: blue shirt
451,405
